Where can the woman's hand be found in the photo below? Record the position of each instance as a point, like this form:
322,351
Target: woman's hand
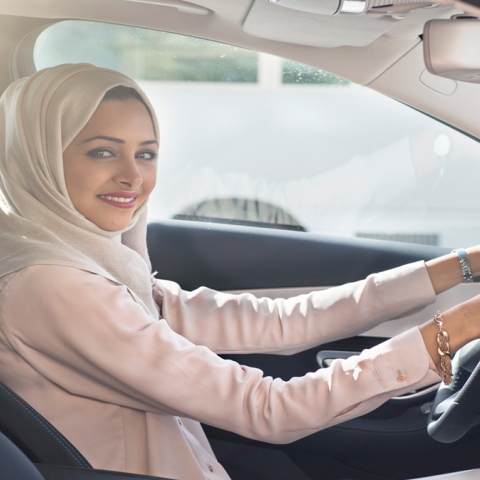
445,272
462,323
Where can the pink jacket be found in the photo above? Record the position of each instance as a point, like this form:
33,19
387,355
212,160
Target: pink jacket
128,390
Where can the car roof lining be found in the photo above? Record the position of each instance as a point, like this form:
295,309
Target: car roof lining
226,24
330,31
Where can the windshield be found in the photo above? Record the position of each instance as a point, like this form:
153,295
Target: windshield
252,138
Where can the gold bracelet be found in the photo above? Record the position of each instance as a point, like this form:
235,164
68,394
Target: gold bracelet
444,350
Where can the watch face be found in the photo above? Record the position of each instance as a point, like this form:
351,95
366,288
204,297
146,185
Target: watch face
442,145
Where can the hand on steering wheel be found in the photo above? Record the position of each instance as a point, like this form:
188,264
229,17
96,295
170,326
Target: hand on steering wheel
456,408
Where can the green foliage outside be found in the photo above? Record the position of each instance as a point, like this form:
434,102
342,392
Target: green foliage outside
145,54
152,55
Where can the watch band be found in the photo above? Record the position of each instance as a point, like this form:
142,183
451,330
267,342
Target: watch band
465,264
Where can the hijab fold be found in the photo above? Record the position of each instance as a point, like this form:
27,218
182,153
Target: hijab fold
39,117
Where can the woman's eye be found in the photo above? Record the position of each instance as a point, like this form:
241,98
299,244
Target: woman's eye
100,153
148,155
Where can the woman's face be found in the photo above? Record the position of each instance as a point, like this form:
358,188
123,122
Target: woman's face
111,165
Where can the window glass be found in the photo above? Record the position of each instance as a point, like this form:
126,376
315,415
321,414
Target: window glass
297,74
252,138
145,54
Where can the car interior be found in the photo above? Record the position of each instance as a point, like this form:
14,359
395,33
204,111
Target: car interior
419,54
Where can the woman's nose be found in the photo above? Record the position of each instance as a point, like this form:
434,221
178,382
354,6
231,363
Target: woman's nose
129,174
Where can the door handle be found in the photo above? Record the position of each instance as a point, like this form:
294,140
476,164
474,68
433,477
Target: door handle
326,357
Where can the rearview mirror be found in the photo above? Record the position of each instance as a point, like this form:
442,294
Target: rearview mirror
451,48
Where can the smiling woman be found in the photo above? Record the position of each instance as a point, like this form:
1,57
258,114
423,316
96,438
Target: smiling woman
110,166
53,230
136,358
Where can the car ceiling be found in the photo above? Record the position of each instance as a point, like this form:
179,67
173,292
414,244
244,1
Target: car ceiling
382,50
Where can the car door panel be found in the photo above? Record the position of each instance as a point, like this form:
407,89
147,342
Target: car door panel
231,257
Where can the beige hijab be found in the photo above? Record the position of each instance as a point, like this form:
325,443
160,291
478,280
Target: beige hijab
39,117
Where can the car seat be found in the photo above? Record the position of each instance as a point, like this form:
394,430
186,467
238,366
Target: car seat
31,448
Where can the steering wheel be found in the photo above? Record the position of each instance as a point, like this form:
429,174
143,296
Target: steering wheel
456,408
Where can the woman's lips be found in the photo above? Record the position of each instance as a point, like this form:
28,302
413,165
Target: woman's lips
120,200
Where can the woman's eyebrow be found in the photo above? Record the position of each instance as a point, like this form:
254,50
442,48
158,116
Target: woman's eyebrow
116,140
103,137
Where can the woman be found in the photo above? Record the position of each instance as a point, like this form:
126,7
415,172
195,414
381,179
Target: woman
81,330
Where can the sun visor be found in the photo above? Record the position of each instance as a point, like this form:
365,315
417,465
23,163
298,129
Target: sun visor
324,7
451,48
336,23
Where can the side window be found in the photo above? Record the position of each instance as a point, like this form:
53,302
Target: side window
254,139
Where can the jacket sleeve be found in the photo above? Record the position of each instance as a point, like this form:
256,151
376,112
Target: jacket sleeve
89,337
242,323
